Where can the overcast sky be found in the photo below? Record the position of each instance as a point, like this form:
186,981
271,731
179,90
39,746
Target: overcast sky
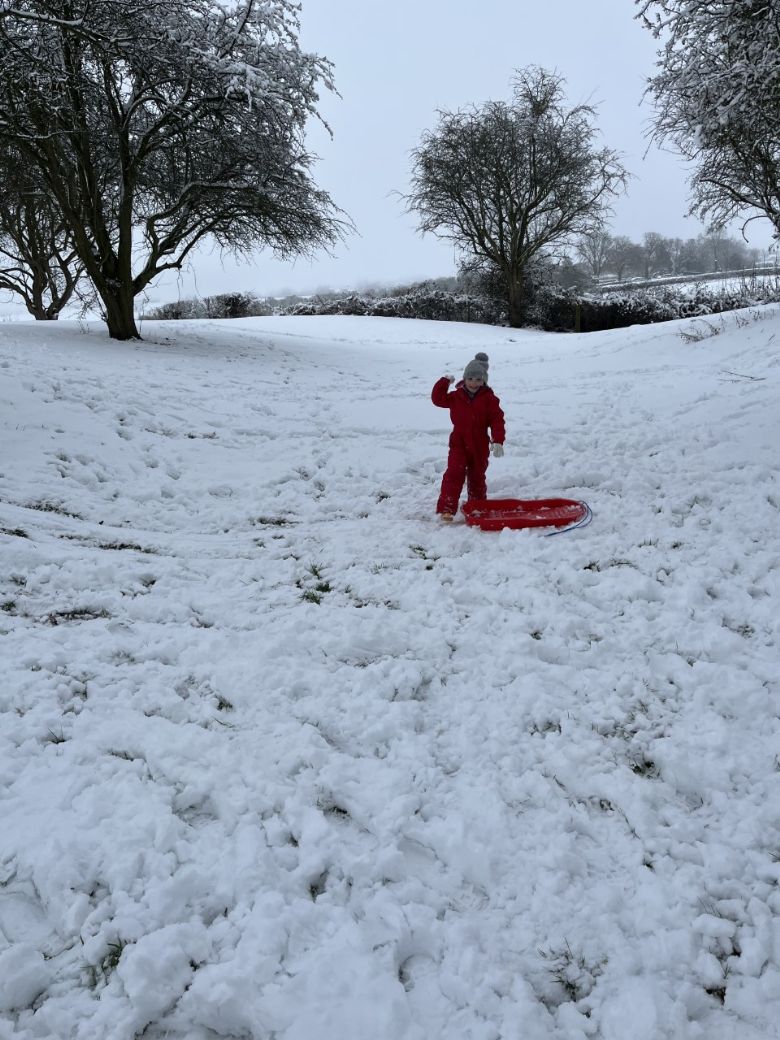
396,63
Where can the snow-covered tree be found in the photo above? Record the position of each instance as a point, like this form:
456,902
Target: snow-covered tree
156,124
717,100
507,182
37,258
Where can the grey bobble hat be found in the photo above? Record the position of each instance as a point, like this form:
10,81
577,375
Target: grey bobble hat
477,368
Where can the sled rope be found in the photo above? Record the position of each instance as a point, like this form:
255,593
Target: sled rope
573,527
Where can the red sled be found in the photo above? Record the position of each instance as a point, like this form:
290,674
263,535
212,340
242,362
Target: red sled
493,514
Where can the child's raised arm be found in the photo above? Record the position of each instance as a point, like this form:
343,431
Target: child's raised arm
440,391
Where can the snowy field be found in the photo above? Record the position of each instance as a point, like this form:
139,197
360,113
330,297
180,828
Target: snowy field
690,285
282,758
744,284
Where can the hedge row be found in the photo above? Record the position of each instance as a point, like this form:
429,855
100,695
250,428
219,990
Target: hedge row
550,308
225,305
435,305
568,312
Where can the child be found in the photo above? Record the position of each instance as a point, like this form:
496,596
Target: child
474,409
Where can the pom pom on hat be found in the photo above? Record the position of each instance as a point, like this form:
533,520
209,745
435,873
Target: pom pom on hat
477,368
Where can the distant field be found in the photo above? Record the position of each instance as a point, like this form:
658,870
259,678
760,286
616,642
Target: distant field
727,281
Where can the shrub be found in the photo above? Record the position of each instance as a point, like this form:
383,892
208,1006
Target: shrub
559,310
416,302
176,311
236,305
224,305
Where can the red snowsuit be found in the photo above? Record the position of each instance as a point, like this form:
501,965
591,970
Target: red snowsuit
469,441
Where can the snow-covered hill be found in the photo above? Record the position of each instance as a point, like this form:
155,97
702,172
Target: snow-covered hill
282,757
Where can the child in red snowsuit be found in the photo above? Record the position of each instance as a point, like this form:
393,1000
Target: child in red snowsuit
474,409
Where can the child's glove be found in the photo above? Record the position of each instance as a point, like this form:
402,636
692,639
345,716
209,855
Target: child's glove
497,449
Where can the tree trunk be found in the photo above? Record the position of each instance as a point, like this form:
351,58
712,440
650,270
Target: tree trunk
119,313
515,300
38,309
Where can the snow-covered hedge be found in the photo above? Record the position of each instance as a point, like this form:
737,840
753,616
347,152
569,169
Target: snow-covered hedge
553,308
433,304
566,311
224,305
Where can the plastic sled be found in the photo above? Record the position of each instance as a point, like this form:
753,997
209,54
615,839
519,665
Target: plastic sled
493,514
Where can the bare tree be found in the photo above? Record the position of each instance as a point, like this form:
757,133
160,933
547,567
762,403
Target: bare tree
509,182
155,124
37,259
675,248
717,100
594,250
624,255
657,258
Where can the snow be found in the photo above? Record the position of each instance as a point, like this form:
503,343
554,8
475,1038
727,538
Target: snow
745,284
280,756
